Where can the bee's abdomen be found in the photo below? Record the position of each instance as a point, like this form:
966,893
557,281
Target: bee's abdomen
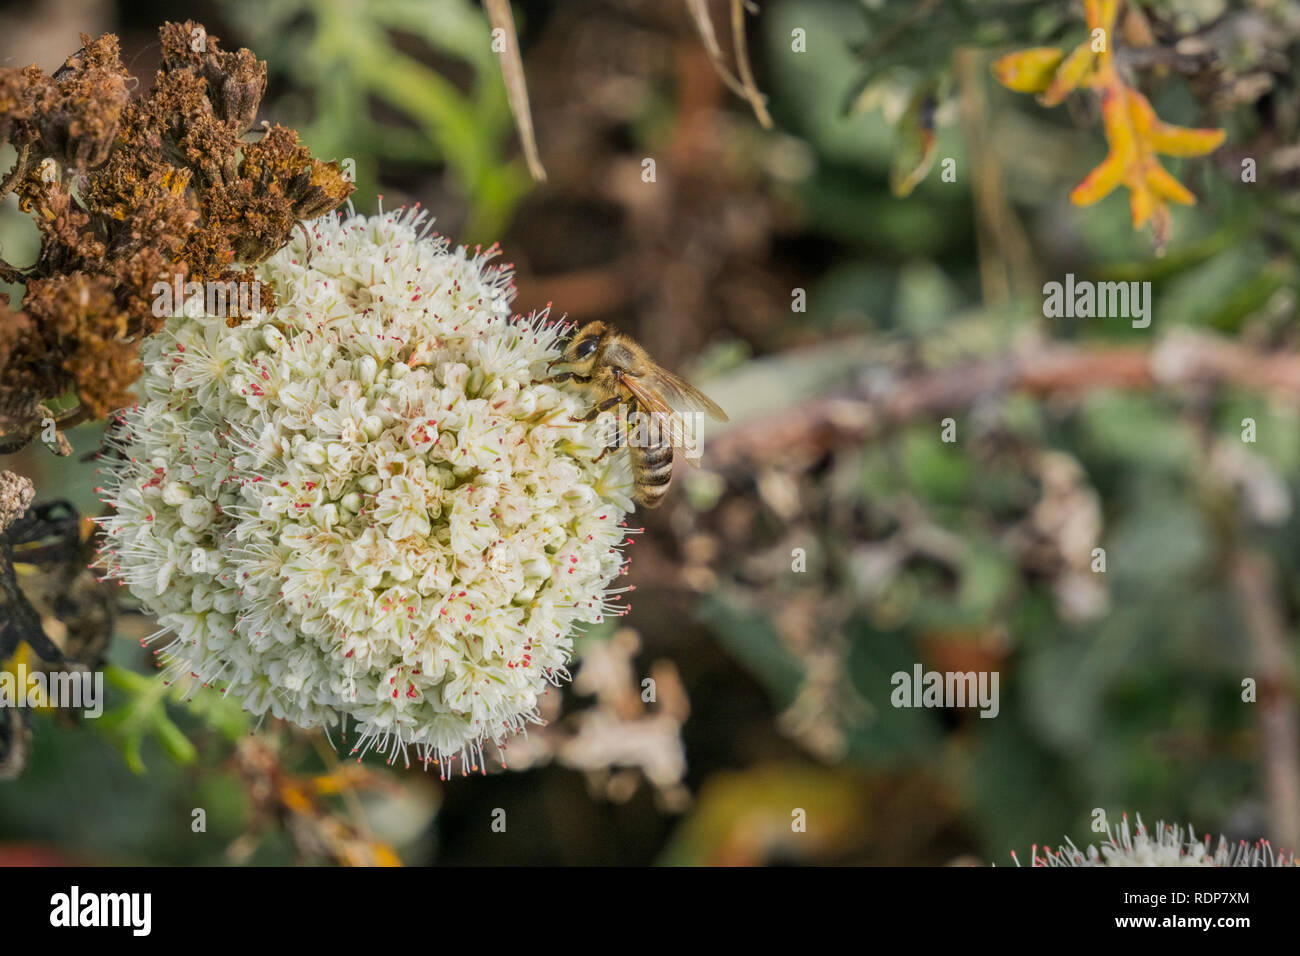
652,469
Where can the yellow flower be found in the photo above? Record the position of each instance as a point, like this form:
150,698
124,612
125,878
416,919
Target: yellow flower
1136,135
1134,132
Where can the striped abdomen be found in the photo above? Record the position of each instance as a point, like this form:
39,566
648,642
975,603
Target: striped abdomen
652,468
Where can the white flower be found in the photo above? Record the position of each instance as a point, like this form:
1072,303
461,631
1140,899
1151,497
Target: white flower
362,504
1170,846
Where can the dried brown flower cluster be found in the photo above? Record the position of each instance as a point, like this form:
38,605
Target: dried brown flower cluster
130,192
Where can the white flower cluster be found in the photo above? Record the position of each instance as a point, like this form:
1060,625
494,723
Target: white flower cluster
1170,845
361,504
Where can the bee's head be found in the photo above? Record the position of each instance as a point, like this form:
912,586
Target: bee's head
579,356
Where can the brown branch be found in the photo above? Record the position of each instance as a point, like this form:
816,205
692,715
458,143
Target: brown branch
1255,582
18,171
861,414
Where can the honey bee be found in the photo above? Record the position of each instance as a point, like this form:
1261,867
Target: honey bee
613,369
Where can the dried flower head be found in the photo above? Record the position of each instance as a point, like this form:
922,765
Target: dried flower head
78,111
361,503
18,89
1170,845
128,193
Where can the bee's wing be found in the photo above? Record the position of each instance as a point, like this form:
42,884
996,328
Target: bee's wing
682,396
646,394
659,390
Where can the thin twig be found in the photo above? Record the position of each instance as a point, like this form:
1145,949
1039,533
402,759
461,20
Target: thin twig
1004,252
1256,585
699,11
756,99
743,86
18,171
512,71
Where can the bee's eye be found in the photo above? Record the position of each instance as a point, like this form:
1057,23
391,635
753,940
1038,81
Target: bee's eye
585,348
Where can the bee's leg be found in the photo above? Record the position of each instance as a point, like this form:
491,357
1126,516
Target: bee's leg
616,444
596,409
563,377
